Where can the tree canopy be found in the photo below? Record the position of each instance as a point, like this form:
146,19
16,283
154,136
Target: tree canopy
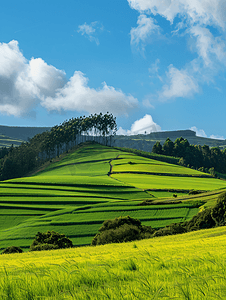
203,158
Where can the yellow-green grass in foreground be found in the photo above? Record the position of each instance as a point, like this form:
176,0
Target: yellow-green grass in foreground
173,267
170,182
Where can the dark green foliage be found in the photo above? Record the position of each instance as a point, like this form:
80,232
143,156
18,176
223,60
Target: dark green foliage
117,222
124,233
202,220
168,147
219,211
157,148
50,240
122,229
12,249
4,151
174,228
199,157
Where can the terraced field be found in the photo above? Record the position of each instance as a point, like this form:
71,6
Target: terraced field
76,193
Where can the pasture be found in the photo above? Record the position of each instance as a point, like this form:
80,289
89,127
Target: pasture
185,266
76,192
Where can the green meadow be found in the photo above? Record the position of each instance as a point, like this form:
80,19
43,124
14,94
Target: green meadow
185,267
75,193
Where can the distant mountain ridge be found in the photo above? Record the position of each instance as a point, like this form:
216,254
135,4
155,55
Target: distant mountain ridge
145,142
22,133
16,134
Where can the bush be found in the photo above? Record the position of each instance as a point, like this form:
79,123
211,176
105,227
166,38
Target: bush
50,240
117,222
219,211
201,221
174,228
12,249
122,229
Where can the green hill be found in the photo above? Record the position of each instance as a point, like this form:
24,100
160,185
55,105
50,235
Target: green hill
77,192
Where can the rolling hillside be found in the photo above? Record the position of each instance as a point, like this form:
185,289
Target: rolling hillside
77,192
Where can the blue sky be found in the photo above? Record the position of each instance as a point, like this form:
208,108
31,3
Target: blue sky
156,65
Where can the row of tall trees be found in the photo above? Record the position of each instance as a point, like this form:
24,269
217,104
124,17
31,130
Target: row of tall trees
199,157
18,161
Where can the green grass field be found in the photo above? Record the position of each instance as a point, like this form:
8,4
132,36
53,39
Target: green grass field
184,267
75,193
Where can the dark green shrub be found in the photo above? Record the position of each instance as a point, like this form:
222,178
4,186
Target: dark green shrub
122,229
50,240
12,249
124,233
201,221
117,222
174,228
219,211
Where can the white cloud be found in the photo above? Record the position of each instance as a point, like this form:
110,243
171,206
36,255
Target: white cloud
77,95
199,132
217,137
145,124
25,83
195,18
91,31
141,34
209,48
22,82
194,11
180,84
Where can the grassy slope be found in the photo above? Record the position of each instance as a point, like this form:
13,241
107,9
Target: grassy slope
185,266
75,194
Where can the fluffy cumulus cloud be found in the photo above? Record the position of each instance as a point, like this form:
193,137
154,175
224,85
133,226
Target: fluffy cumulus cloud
91,31
195,19
179,84
141,126
25,83
77,95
